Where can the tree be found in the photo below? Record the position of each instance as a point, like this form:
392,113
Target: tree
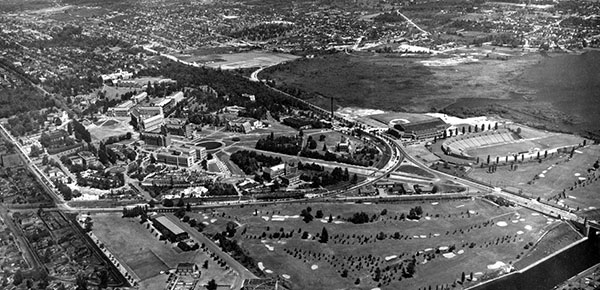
180,203
212,285
81,282
205,265
319,214
18,278
354,179
324,236
188,207
35,151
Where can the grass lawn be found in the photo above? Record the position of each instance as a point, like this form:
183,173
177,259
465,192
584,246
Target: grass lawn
143,252
411,169
498,234
559,174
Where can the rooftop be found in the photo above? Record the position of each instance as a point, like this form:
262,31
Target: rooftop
167,223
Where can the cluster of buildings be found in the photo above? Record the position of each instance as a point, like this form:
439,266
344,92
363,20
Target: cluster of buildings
181,155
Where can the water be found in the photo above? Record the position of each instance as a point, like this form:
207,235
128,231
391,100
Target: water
572,84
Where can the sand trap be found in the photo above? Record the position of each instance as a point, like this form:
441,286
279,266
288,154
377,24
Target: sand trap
515,221
577,151
314,267
266,218
521,220
212,221
501,224
541,175
535,214
261,266
528,227
449,255
415,237
472,212
443,248
376,289
286,276
474,279
205,223
519,232
436,235
460,206
391,257
435,203
582,178
367,203
577,174
423,236
323,221
572,197
338,222
478,273
496,265
428,250
460,252
428,218
268,271
544,172
270,248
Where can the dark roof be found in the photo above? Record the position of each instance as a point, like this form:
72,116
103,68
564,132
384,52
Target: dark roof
421,125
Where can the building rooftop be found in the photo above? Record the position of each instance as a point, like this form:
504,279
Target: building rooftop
167,223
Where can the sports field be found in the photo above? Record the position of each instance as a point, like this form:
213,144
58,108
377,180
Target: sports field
134,244
451,237
549,142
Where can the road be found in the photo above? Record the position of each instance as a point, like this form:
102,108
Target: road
522,201
235,265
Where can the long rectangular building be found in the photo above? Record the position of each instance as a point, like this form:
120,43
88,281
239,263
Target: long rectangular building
169,229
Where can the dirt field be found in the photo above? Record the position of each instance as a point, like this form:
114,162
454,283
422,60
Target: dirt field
498,234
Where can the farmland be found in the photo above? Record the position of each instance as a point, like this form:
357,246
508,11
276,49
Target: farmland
471,235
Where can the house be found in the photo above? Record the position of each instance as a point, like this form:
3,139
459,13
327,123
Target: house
186,268
291,179
156,139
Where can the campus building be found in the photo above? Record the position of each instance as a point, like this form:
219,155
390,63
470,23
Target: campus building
168,229
122,110
422,129
148,118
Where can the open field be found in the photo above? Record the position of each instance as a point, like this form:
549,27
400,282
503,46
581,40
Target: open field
482,234
134,244
238,60
549,178
109,127
512,89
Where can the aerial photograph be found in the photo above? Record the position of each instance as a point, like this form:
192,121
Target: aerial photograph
300,144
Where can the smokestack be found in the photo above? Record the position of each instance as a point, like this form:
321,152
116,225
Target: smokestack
332,109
